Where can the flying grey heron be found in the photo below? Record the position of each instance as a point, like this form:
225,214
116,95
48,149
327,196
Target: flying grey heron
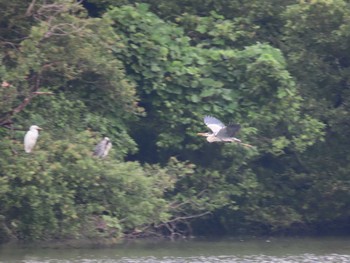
31,137
220,132
102,148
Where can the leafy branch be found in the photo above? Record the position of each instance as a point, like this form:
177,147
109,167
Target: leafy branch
5,120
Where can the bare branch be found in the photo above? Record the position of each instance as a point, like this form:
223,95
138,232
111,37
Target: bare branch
7,118
181,218
21,106
30,8
43,93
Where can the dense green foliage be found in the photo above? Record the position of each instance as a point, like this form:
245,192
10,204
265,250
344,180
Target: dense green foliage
145,75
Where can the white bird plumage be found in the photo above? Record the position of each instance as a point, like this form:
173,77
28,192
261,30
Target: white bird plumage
31,137
102,148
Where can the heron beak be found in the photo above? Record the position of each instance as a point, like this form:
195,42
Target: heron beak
39,128
201,133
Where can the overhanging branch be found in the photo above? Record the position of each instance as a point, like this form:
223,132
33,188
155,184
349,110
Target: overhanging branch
6,120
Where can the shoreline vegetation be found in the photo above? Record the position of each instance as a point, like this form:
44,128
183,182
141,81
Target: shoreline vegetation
143,75
114,243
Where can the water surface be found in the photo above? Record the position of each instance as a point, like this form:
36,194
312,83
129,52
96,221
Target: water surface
227,250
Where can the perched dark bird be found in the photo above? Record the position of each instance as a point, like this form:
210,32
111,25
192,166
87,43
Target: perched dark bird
102,148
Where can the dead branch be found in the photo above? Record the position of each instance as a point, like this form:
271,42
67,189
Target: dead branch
43,93
30,8
7,119
182,218
26,101
21,106
171,226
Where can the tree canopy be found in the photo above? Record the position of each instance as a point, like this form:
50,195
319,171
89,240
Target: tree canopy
145,75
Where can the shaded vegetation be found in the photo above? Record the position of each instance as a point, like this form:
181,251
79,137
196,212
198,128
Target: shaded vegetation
144,75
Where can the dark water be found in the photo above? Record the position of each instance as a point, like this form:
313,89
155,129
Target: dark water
298,250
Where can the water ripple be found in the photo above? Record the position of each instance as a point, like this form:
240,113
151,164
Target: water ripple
304,258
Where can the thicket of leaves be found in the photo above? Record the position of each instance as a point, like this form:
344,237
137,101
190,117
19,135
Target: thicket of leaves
145,75
65,192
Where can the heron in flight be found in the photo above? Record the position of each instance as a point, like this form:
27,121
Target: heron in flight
31,137
102,148
220,132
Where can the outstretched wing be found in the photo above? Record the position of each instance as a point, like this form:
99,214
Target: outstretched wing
232,129
229,131
214,124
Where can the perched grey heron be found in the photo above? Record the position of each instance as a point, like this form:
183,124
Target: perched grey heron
31,137
220,132
102,148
